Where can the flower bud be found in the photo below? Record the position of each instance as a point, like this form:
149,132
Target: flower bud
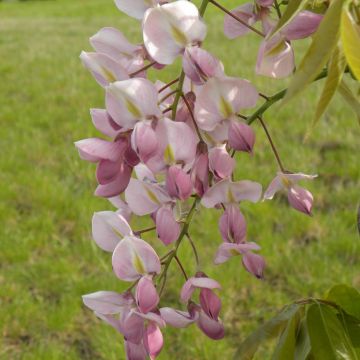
254,264
146,295
144,141
220,162
167,228
300,199
232,225
178,183
241,136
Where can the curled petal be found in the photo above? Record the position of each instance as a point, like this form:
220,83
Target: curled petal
144,141
199,65
178,183
210,303
176,318
107,302
302,26
132,326
241,136
228,192
254,264
107,227
95,149
232,27
197,282
153,340
146,295
103,122
117,185
232,225
300,199
167,228
220,162
133,258
200,174
275,185
214,329
170,28
135,351
104,69
227,250
275,58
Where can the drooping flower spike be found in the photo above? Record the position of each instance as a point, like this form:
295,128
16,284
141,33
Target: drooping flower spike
169,152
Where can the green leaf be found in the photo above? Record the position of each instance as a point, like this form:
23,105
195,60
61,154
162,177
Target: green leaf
319,52
270,329
302,346
328,339
352,327
350,98
336,69
350,37
292,9
347,297
286,344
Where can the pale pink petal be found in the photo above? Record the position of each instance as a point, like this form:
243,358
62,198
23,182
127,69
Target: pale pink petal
152,317
227,192
95,149
132,326
265,3
275,185
122,207
300,199
111,320
169,28
107,229
210,303
178,183
232,27
112,42
104,69
107,302
132,100
104,123
167,228
106,171
135,351
144,141
176,318
146,295
214,329
241,136
153,340
220,162
133,258
232,225
197,282
254,264
200,174
134,8
118,185
298,177
143,173
199,65
145,198
303,25
275,58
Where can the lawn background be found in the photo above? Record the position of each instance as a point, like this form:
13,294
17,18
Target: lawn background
47,257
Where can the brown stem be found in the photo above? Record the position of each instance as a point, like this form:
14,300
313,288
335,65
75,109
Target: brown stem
168,95
192,117
168,85
194,249
272,144
264,96
143,69
181,267
145,230
236,18
167,110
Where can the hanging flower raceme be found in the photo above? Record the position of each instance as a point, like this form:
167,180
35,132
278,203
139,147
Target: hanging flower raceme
169,152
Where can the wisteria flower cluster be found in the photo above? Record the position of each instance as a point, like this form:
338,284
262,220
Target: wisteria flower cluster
169,151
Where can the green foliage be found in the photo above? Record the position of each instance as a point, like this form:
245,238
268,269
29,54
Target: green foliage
314,329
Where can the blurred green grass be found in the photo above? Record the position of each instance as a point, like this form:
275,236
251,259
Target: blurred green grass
47,257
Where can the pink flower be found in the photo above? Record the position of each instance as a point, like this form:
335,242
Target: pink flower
177,318
170,28
219,101
232,225
199,65
135,8
178,183
241,136
167,228
228,192
104,123
104,69
113,43
220,162
106,228
134,258
299,198
200,281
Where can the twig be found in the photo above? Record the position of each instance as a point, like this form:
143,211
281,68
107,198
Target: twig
168,85
143,69
181,267
192,117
